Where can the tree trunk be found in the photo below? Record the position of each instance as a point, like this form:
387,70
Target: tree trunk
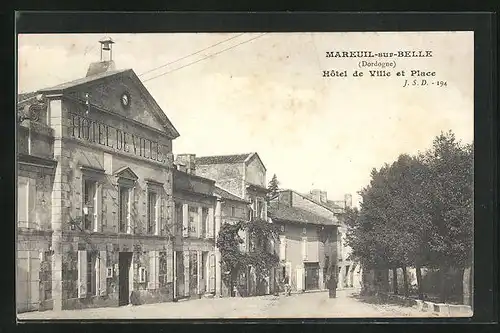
405,281
395,281
419,283
467,286
442,278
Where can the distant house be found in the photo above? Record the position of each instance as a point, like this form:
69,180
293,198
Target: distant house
308,240
349,271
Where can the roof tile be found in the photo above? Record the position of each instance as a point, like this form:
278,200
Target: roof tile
222,159
282,211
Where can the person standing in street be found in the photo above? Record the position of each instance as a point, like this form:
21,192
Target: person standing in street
332,286
286,284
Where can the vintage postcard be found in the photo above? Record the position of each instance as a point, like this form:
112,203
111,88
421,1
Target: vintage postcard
245,175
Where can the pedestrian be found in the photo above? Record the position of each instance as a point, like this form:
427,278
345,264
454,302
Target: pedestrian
332,287
287,286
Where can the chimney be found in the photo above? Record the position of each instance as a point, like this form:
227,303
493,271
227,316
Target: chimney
189,161
106,64
348,200
319,196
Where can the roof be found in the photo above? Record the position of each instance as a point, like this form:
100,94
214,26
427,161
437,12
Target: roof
191,175
25,96
155,108
77,82
294,214
222,159
227,195
322,204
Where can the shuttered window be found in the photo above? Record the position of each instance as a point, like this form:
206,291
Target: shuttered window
212,272
193,219
123,208
89,203
82,274
204,221
153,270
178,218
282,248
152,207
22,202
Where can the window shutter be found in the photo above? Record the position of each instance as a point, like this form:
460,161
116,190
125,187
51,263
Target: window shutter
98,208
283,248
212,272
210,226
131,209
304,248
199,227
82,274
102,273
185,220
153,270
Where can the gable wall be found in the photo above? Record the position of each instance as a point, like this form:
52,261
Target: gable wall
107,95
301,202
255,172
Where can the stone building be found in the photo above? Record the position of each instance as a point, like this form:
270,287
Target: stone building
349,271
95,204
244,177
194,260
308,240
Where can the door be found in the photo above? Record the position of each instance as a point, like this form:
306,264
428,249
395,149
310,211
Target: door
179,258
312,276
27,281
124,262
193,273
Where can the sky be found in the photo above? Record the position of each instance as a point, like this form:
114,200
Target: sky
265,93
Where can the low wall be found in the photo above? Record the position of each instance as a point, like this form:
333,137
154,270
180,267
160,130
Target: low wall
440,309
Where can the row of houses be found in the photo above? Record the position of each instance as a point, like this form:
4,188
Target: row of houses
105,209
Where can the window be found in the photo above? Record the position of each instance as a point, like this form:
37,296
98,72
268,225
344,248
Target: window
193,219
258,209
142,274
205,222
89,203
22,202
233,211
123,208
152,203
304,231
162,271
179,217
91,275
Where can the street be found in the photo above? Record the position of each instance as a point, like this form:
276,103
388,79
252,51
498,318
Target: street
307,305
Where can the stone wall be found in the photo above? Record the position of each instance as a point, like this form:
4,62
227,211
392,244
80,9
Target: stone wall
228,176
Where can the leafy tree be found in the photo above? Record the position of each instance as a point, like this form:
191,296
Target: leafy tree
273,187
232,258
417,212
450,186
261,254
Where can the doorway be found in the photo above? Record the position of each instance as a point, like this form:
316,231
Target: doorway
179,278
124,262
312,275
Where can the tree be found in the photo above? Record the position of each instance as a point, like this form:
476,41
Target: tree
417,212
261,254
273,188
450,186
232,258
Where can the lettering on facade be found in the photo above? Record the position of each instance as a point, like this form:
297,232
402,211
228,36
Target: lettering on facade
109,136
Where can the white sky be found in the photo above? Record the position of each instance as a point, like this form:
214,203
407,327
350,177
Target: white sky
269,96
